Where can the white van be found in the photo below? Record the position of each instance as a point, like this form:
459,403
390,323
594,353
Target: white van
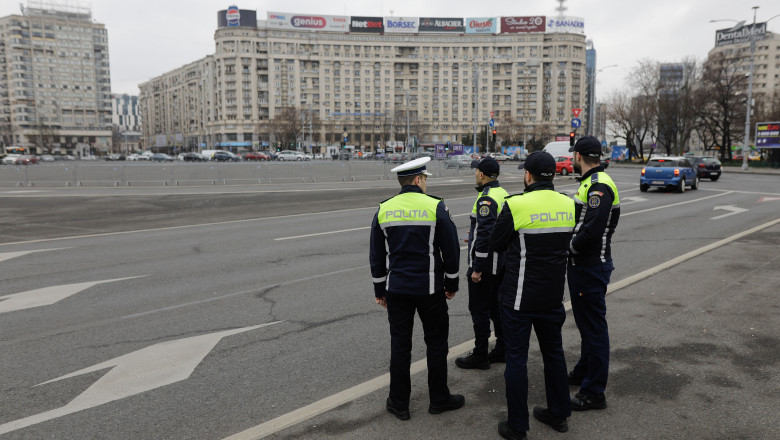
560,148
207,154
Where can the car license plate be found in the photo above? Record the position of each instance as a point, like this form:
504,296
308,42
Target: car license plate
658,182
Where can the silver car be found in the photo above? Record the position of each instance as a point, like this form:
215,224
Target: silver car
459,161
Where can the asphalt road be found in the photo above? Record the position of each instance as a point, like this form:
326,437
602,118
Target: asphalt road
198,313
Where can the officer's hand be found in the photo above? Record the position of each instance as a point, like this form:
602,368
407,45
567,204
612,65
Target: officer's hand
449,295
381,301
476,276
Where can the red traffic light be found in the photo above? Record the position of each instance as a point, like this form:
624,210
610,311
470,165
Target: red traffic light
571,139
494,131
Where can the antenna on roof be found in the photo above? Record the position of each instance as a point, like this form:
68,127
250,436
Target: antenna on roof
561,8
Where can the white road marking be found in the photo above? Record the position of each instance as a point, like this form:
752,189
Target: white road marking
47,295
321,233
631,200
9,255
731,208
321,406
673,204
767,199
134,373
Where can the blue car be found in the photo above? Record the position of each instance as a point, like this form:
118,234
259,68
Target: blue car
668,172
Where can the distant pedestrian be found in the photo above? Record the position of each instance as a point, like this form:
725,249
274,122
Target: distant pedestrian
589,270
535,229
485,267
414,257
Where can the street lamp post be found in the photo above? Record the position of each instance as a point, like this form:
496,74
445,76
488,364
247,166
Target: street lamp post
592,103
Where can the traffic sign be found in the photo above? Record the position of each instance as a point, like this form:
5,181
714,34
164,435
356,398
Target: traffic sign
345,135
576,112
576,123
603,143
491,122
491,115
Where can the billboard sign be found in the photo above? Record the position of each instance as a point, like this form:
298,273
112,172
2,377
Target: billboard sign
233,17
374,25
740,35
523,24
304,22
406,25
481,25
441,24
768,135
569,25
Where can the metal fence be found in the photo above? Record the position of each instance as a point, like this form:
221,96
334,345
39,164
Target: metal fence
176,174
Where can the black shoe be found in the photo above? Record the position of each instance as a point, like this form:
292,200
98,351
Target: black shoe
400,414
496,356
584,402
472,362
545,416
504,430
575,380
456,401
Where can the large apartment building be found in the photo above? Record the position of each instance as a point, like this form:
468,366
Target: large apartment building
55,86
373,78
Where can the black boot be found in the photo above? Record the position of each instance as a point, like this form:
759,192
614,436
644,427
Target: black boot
472,362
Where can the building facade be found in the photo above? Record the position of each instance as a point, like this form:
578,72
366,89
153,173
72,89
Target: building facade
375,79
55,85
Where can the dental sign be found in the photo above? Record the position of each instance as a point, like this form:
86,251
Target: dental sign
740,35
405,25
481,25
569,25
314,22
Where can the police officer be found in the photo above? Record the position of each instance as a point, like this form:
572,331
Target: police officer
485,267
590,266
535,227
414,259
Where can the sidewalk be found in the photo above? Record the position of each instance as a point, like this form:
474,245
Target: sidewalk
687,362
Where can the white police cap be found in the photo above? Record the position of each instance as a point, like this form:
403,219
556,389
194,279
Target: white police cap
413,167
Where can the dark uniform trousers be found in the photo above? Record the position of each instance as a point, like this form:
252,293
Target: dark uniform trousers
484,307
517,331
588,289
435,322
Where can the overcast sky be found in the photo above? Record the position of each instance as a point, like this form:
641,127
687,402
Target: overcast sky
148,38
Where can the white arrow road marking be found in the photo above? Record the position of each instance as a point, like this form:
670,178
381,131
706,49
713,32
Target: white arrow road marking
632,200
8,255
733,210
47,295
767,199
134,373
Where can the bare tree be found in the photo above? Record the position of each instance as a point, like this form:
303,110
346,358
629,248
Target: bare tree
723,111
286,127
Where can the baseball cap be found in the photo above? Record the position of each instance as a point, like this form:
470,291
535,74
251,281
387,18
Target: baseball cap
587,146
488,165
540,163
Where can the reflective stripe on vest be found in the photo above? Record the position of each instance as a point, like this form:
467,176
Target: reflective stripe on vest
538,212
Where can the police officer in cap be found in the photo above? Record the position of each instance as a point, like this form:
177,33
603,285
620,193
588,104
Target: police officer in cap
414,256
590,267
535,229
485,267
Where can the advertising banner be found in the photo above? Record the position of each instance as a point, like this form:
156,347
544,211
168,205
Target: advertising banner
232,17
742,34
523,24
441,24
284,20
406,25
768,135
481,25
374,25
569,25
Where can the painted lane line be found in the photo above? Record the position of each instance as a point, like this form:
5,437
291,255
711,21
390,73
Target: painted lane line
47,295
134,373
673,204
321,406
338,231
732,210
9,255
758,193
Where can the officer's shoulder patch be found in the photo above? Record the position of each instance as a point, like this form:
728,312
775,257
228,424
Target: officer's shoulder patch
485,202
484,211
595,193
594,201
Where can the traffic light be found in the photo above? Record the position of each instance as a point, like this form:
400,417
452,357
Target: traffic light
571,139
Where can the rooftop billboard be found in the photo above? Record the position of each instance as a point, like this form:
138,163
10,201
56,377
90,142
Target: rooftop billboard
481,25
374,25
232,17
318,22
441,24
523,24
406,25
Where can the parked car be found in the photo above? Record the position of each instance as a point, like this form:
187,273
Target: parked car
146,155
88,157
161,157
459,161
115,156
499,156
564,165
395,158
133,157
706,166
668,172
10,159
291,155
604,162
341,155
191,157
225,156
47,158
255,155
63,157
423,154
